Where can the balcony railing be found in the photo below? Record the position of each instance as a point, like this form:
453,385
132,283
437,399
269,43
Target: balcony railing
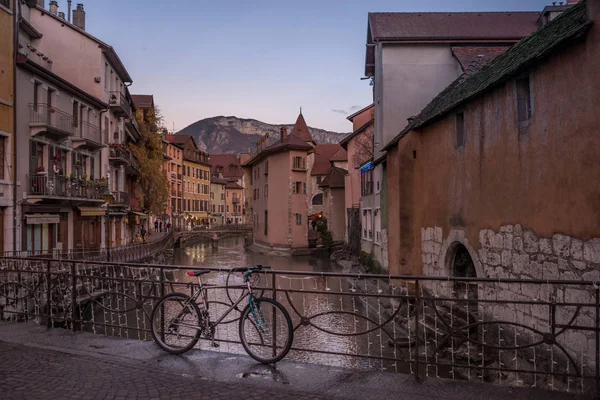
53,123
120,154
52,185
118,103
121,198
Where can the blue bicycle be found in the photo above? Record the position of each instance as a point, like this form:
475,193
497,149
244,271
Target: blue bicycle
178,321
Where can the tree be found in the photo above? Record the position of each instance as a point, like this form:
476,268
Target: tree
149,152
364,148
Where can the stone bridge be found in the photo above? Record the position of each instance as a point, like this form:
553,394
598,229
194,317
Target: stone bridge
215,233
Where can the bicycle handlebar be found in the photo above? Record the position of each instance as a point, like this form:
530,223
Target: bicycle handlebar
252,268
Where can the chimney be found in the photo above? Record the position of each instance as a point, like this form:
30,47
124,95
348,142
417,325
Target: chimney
54,7
69,8
79,17
61,15
283,131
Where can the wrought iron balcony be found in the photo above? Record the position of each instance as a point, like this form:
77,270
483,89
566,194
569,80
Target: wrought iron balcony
87,136
121,199
118,104
45,120
120,155
54,186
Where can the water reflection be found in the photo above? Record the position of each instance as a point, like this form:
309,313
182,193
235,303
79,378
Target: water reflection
328,313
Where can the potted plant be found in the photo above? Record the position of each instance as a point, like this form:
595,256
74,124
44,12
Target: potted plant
40,170
71,176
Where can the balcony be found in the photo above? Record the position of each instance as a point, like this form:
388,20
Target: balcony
119,105
47,121
52,186
121,199
87,136
235,200
133,126
120,155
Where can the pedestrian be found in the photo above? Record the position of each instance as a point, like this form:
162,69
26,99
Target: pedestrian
143,233
156,226
160,225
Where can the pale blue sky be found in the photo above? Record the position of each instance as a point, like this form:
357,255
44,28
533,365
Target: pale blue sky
258,59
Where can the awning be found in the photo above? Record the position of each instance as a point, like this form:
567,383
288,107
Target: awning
91,211
42,219
141,215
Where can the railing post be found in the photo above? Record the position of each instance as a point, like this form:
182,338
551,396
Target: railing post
274,284
417,307
597,342
48,295
73,295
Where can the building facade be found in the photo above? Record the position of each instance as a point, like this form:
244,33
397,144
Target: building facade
8,212
173,168
234,204
229,168
218,214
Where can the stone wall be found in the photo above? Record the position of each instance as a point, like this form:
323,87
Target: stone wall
514,252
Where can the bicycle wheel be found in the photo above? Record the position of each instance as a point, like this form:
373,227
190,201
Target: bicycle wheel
175,323
266,330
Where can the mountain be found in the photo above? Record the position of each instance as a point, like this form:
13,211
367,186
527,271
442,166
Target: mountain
236,135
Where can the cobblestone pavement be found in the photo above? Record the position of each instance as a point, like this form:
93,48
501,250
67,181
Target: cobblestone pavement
34,373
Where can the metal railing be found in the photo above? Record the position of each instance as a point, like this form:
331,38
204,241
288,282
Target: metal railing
51,185
118,101
90,132
51,117
481,330
122,198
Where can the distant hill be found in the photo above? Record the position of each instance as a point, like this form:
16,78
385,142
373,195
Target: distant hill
236,135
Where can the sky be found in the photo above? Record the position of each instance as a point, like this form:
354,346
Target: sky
260,59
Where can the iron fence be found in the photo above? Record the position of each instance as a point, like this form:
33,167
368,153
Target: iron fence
544,334
56,185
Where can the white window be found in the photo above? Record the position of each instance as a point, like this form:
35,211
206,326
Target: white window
298,219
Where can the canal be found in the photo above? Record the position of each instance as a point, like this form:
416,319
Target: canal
335,312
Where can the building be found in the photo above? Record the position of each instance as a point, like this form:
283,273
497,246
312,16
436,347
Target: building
318,165
79,126
515,185
196,181
358,189
234,194
229,168
8,210
144,106
217,200
173,168
411,57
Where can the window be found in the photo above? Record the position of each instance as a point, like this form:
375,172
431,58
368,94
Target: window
297,187
213,208
524,101
319,178
36,93
75,113
212,195
298,219
222,196
2,155
266,191
317,199
460,130
267,168
299,163
227,207
366,181
266,222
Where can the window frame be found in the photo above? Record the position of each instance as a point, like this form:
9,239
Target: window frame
460,138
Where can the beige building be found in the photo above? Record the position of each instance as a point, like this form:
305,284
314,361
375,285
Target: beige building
217,200
229,168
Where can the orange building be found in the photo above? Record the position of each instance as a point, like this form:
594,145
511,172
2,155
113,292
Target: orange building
173,168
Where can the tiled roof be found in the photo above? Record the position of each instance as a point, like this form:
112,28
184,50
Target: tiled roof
452,25
341,155
568,26
217,180
466,55
291,143
323,154
335,178
233,185
178,139
142,100
229,162
344,142
300,129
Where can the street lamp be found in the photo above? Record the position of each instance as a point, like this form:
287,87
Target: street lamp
108,199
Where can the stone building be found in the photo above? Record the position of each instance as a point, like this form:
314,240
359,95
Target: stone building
229,168
334,202
411,57
217,200
8,211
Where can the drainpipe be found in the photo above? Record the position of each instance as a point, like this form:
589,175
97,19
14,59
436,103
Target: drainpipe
14,134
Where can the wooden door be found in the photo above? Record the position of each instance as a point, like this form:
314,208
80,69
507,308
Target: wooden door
118,226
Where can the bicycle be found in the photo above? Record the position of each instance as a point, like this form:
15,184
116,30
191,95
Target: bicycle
265,327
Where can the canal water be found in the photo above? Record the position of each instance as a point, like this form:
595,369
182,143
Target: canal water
333,313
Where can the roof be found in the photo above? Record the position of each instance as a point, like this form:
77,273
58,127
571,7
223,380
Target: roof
291,143
551,37
108,50
233,185
143,100
230,164
508,27
341,155
346,140
335,178
362,110
300,129
466,55
178,138
217,180
323,154
174,141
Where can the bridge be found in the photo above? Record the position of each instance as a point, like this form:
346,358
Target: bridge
215,232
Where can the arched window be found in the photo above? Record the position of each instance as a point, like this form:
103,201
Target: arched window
317,199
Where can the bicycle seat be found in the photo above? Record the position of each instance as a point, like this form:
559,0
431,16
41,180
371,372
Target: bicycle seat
198,272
